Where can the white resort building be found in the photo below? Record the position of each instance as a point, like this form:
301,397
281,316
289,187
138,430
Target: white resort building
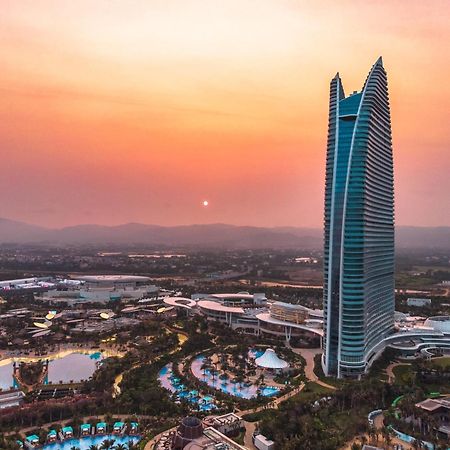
255,314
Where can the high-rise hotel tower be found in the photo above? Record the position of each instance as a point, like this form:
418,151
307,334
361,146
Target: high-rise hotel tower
359,226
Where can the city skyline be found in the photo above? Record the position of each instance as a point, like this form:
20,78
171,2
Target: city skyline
140,113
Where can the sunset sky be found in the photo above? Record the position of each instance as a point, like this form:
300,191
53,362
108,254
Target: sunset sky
117,111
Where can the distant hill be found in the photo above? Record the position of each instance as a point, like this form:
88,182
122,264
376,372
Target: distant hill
423,237
13,231
210,235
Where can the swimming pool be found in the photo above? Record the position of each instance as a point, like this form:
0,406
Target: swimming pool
85,442
66,366
255,353
231,387
173,384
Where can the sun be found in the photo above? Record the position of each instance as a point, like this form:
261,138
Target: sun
205,203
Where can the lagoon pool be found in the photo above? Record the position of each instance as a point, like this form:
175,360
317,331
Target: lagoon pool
68,366
231,387
86,442
76,367
174,385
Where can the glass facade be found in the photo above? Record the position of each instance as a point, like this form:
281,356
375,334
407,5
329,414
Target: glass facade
358,226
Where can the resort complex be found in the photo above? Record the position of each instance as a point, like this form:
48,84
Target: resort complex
149,347
208,365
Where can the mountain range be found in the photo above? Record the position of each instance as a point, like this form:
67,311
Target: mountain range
208,235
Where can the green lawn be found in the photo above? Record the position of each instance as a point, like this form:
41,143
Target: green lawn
315,388
239,438
255,417
442,362
404,280
403,375
311,392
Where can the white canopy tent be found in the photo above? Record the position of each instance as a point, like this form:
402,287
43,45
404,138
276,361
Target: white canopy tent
270,360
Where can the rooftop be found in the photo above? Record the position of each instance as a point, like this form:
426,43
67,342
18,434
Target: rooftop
433,404
215,306
112,278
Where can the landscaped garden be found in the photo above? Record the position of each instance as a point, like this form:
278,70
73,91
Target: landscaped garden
217,379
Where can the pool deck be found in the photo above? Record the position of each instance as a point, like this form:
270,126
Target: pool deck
86,418
235,389
62,350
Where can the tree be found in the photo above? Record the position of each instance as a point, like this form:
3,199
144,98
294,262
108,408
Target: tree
107,444
214,373
372,432
204,367
386,435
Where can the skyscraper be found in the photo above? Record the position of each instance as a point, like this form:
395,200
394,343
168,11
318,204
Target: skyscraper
359,226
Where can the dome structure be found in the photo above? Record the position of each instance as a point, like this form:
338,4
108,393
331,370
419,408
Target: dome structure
270,360
190,429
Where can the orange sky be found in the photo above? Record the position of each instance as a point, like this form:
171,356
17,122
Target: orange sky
116,111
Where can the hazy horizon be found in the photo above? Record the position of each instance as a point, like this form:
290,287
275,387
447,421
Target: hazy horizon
115,112
81,224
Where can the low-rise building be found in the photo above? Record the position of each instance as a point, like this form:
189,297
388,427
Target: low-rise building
11,398
191,434
227,424
262,443
439,410
412,301
101,289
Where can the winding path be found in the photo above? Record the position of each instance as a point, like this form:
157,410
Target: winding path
309,354
390,370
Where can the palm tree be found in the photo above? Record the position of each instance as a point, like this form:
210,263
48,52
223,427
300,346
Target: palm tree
387,435
107,444
93,447
120,447
204,367
74,448
132,445
363,440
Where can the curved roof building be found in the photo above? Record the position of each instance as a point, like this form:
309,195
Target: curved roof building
180,302
359,226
